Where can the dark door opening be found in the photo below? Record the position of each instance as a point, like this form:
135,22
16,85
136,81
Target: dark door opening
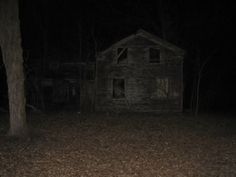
118,88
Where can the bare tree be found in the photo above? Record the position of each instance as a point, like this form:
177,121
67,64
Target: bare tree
10,41
201,66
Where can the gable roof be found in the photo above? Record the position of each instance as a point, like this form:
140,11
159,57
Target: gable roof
149,36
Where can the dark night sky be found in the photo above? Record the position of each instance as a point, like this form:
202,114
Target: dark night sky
196,22
195,26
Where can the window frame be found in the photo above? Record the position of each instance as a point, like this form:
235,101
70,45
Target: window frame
165,92
117,55
149,55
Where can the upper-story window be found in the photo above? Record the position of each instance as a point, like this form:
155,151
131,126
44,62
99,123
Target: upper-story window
122,55
154,55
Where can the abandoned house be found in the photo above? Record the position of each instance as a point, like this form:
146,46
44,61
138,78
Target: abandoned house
140,73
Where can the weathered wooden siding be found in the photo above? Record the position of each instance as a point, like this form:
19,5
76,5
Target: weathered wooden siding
140,79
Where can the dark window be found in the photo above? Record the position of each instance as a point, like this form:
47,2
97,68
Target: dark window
154,55
122,54
118,88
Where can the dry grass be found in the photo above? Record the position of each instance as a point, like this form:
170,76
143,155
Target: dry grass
68,144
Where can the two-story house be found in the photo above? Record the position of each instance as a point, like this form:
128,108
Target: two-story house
140,73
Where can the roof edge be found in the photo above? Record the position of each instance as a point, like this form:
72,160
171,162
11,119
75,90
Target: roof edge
149,36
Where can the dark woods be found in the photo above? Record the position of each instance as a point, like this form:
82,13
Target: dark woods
61,40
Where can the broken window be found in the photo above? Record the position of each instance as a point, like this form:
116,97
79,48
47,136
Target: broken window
162,87
154,55
118,88
122,55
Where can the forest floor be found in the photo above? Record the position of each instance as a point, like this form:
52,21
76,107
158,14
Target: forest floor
124,145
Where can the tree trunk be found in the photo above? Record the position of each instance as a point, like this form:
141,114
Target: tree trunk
198,82
10,40
197,95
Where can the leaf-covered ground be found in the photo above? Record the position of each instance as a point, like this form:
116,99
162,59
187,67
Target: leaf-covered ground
125,145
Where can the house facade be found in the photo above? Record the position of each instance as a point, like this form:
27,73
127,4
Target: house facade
140,73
